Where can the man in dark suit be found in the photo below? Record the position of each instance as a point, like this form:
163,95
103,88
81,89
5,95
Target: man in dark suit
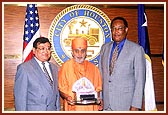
123,80
32,90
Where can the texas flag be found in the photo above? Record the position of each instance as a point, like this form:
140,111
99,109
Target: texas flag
163,58
143,40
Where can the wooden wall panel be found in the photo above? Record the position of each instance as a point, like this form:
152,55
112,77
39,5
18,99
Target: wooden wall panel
156,30
158,78
9,70
14,17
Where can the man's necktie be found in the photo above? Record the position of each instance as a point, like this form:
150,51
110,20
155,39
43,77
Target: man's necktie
47,74
113,60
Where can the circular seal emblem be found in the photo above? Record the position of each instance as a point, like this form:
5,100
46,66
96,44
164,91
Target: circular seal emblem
79,21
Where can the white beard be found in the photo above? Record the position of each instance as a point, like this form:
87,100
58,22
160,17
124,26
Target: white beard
81,60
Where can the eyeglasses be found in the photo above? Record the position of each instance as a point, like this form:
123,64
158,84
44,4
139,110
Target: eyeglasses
42,49
118,28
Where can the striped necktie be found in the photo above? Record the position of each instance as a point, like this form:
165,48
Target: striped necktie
47,74
113,60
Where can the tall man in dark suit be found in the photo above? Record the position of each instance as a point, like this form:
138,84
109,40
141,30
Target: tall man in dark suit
123,83
32,90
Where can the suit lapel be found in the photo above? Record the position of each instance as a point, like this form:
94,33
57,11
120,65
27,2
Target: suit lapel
124,52
109,50
106,61
52,74
107,56
41,76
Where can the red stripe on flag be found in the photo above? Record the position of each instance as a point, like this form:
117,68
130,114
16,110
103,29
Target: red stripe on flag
24,45
29,56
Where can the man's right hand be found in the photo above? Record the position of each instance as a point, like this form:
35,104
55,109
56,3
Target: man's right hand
70,100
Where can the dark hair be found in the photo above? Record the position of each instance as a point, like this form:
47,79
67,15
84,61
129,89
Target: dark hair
120,18
40,40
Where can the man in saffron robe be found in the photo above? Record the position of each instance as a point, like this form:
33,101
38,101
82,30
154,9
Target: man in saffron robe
74,69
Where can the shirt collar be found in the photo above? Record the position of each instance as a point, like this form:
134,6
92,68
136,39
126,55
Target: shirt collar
40,63
120,45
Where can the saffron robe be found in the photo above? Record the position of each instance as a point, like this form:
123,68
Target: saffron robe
72,71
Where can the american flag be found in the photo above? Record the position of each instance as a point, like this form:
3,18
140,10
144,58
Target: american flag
31,31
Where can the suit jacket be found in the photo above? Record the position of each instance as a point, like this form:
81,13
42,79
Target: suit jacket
125,87
32,91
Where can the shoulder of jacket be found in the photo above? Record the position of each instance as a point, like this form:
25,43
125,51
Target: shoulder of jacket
134,44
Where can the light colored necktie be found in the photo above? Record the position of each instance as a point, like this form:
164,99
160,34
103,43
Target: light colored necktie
47,74
113,60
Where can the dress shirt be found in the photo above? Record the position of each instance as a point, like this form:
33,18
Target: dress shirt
46,65
120,46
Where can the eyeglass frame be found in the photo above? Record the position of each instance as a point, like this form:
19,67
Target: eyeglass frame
43,48
120,28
